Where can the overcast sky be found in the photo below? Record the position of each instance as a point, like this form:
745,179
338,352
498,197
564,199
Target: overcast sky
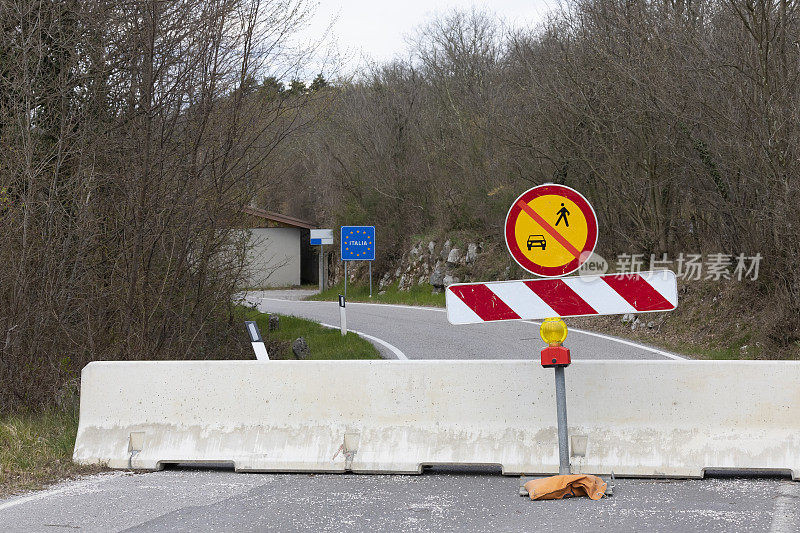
370,30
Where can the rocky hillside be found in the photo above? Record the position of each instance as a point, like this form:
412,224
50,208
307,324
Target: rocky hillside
437,263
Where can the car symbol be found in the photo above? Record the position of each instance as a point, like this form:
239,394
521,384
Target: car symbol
536,240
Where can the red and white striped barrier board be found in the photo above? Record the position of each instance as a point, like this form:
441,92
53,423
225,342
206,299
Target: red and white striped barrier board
609,294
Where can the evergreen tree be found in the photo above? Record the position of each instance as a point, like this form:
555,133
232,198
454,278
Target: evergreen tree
319,83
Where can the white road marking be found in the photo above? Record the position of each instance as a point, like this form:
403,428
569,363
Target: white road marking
786,514
576,330
395,350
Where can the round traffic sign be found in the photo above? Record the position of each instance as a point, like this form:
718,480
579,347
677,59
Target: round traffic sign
551,230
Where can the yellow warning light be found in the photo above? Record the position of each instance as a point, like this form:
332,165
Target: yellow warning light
553,331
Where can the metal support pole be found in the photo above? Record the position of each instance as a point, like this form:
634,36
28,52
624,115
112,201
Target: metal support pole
345,279
561,414
370,279
321,268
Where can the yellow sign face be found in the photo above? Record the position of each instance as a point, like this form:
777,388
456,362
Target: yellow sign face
551,230
572,226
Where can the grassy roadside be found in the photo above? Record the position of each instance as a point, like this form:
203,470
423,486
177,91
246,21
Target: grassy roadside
36,448
417,295
323,343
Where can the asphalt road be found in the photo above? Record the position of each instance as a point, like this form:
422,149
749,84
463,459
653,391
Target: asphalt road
472,499
425,333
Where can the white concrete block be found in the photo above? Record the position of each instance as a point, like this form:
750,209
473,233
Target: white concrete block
637,418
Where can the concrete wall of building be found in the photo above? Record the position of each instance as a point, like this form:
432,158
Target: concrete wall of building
273,258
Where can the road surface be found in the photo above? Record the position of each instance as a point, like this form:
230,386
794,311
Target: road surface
472,499
425,333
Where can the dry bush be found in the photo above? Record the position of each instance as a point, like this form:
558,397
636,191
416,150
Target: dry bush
132,134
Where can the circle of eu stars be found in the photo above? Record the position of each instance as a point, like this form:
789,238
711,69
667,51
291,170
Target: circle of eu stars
367,236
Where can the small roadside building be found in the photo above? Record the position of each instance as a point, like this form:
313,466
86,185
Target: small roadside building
279,253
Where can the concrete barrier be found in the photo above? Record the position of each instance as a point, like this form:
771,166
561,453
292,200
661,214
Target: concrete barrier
636,418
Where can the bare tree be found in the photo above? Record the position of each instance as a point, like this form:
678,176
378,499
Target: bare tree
134,134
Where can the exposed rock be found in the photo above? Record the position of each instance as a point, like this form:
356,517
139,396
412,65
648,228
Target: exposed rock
651,325
627,318
454,256
403,284
449,280
300,348
421,280
472,252
397,272
437,278
384,281
431,247
446,248
635,324
274,322
382,292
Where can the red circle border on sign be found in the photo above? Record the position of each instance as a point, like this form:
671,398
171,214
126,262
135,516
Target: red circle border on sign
542,190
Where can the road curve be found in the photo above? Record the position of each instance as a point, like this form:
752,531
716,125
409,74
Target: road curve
425,333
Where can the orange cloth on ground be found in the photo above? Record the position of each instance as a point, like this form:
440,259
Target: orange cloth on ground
557,487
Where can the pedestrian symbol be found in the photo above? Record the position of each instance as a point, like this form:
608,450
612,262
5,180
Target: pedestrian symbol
562,215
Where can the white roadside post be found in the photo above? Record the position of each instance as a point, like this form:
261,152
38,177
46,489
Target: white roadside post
257,341
321,237
342,314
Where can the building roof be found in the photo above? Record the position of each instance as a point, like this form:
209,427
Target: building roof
280,219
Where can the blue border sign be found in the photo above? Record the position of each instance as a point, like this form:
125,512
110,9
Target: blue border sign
358,243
